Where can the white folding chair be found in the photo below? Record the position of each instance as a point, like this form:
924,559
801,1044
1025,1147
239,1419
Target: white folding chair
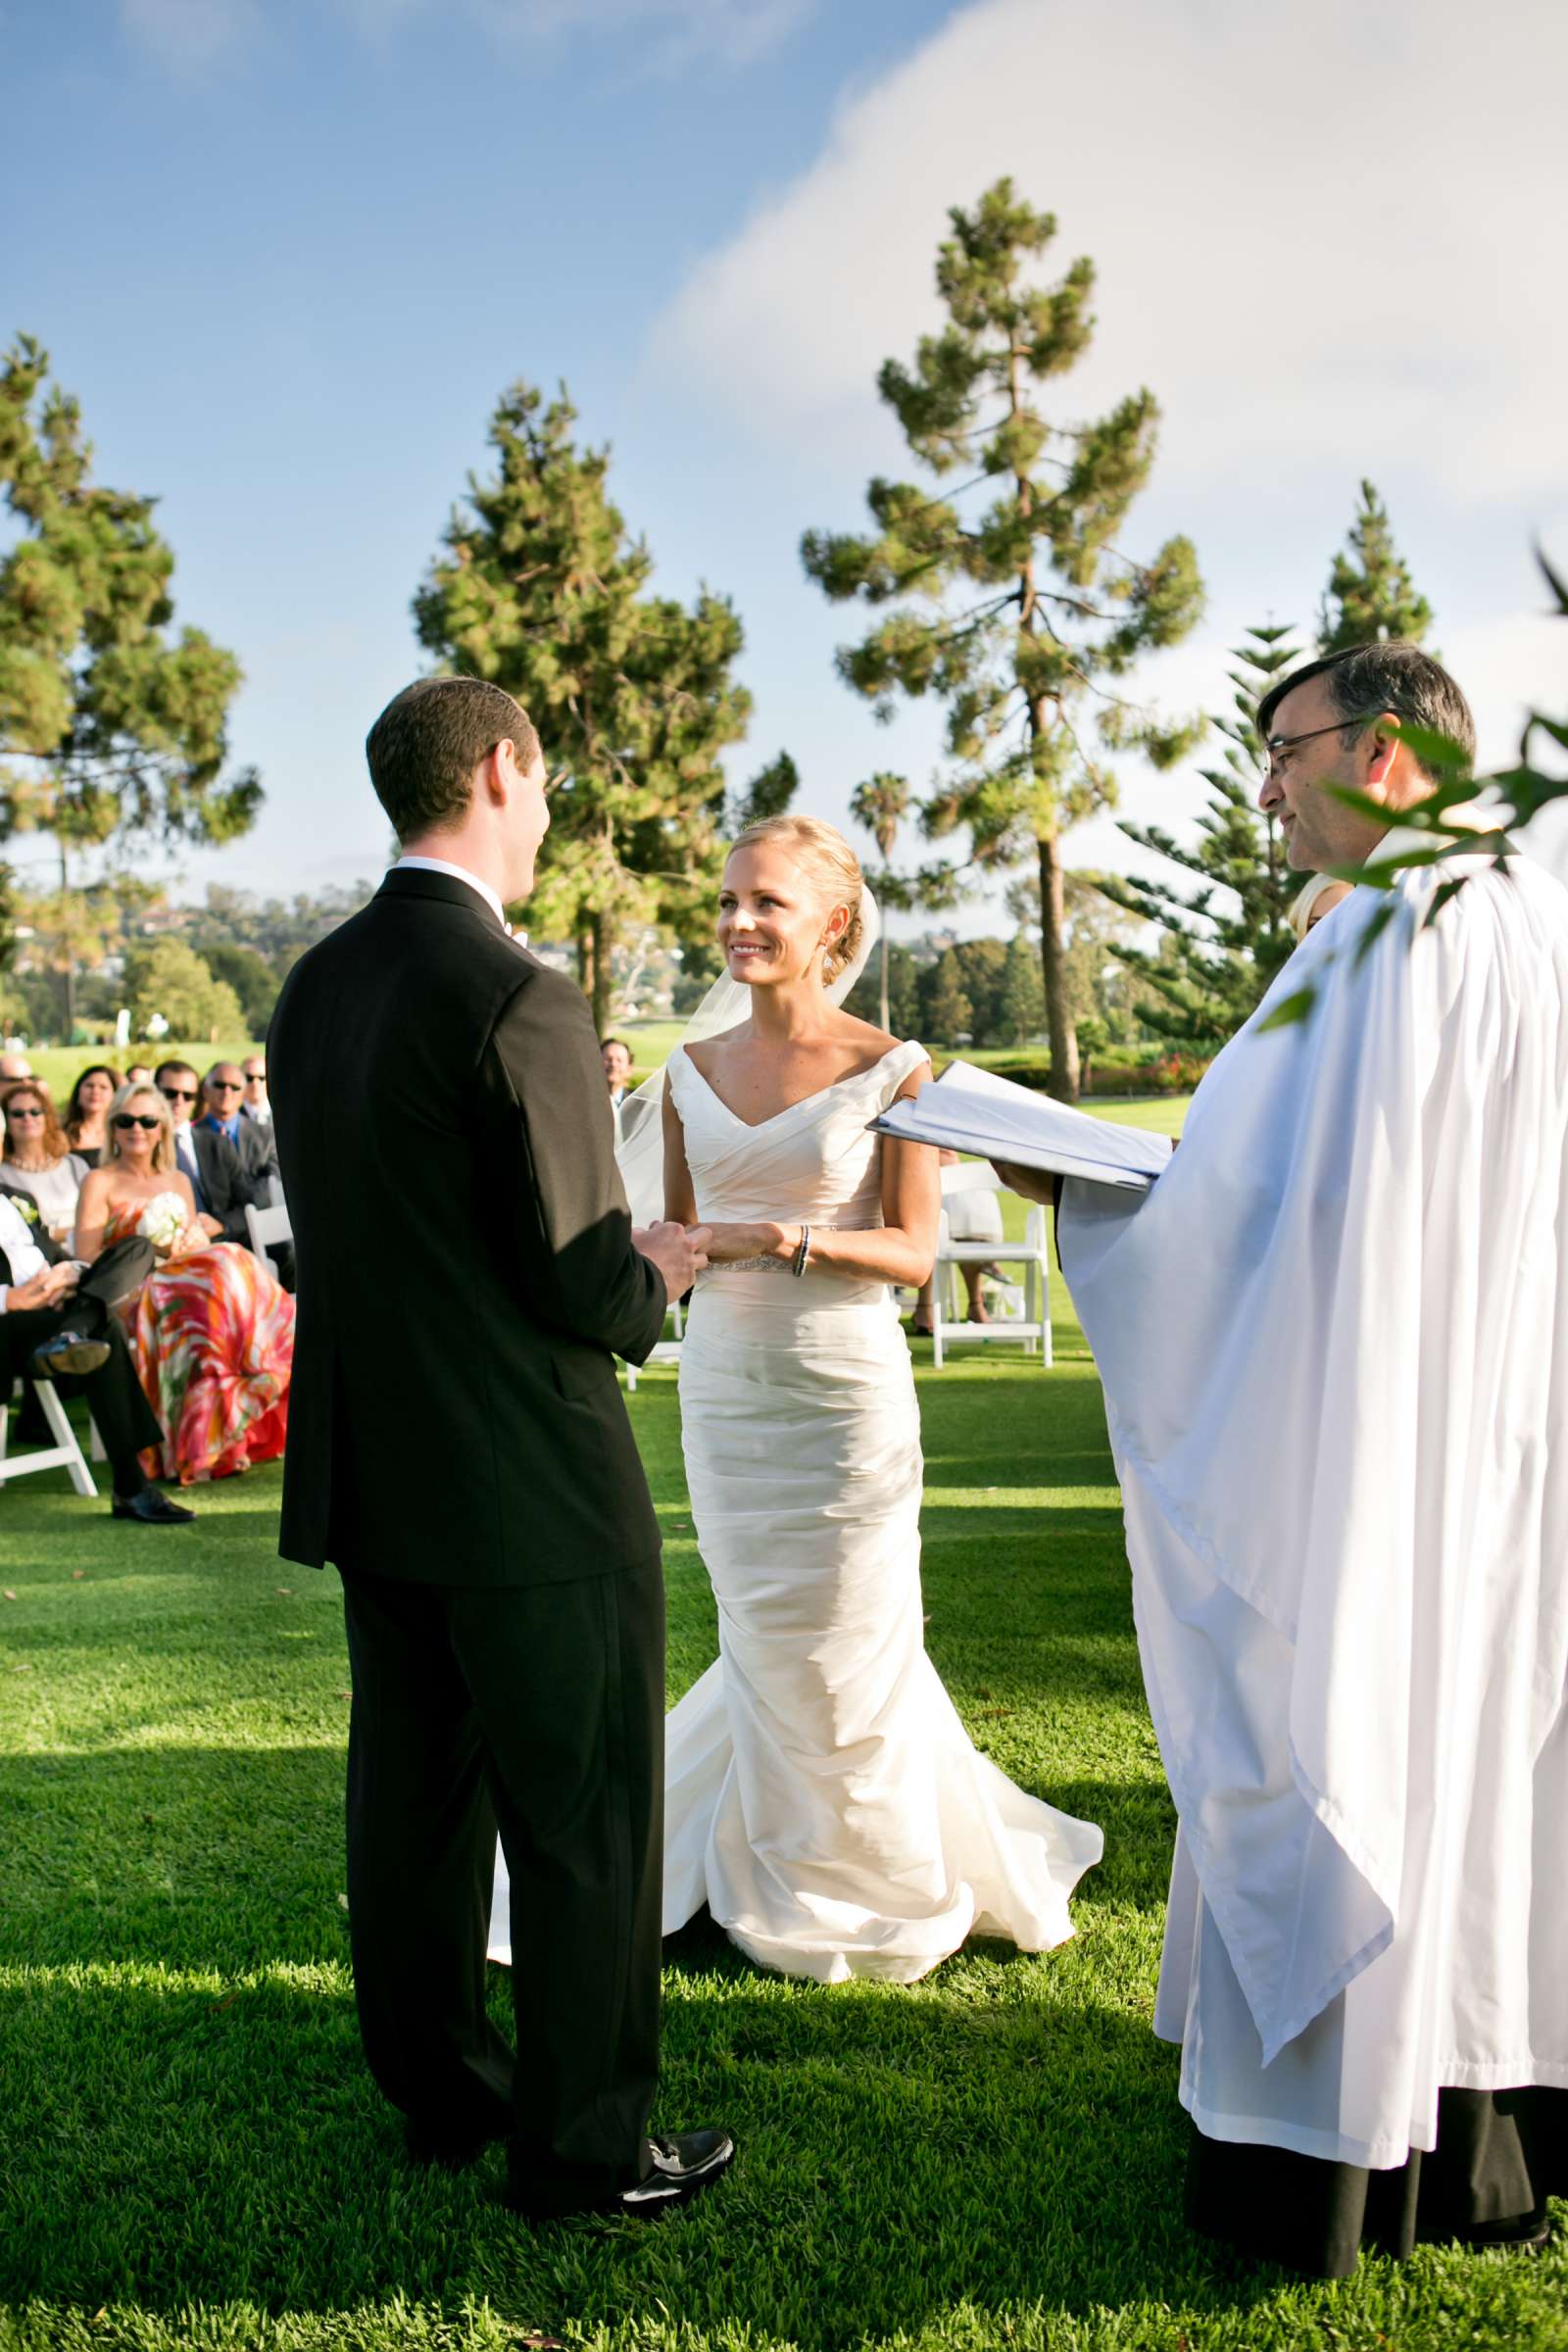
64,1454
946,1288
268,1226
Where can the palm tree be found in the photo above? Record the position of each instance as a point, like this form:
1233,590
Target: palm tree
879,807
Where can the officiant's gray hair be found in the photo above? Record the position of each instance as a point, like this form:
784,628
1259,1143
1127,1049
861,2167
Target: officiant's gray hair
1365,680
822,853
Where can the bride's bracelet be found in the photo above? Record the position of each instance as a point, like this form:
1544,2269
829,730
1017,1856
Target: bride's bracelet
796,1263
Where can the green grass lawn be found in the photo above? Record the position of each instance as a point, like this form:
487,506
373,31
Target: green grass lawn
191,2151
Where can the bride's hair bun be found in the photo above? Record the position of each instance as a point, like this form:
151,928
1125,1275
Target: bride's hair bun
822,853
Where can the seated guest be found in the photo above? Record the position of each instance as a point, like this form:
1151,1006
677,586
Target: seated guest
256,1105
615,1055
14,1066
36,1158
212,1332
222,1094
56,1324
139,1075
972,1216
207,1161
88,1113
223,1089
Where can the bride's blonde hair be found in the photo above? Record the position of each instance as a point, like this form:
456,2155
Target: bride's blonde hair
826,859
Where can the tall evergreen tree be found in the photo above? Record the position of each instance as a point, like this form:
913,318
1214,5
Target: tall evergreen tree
1370,597
110,725
946,1013
1224,942
541,588
768,794
1017,612
1024,999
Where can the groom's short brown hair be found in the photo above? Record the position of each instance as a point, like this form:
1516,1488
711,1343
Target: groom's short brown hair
423,749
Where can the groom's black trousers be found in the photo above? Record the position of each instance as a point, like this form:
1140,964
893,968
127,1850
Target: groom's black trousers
540,1708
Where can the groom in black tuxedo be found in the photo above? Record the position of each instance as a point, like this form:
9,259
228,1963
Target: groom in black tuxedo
459,1448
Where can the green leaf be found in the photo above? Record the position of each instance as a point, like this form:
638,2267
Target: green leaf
1290,1011
1559,587
1382,917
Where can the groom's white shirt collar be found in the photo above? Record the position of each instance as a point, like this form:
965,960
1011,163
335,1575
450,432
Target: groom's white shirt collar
460,873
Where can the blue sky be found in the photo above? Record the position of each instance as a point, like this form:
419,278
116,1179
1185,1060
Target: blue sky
288,255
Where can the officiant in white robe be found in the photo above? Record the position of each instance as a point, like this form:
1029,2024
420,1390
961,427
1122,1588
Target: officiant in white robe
1334,1343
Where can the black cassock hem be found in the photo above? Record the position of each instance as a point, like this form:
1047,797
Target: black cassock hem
1501,2154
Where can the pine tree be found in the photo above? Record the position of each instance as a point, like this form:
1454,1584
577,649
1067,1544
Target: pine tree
1019,613
541,588
768,794
946,1013
983,972
1024,999
1224,942
1370,597
109,726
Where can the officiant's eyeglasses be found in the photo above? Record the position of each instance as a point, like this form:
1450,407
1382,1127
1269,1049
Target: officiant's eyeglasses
1272,762
136,1118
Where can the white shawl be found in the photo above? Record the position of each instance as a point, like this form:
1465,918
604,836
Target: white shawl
1334,1340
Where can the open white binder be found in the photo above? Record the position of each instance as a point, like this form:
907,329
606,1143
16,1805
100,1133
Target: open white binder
970,1109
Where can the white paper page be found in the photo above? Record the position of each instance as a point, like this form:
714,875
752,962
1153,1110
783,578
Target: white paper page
970,1109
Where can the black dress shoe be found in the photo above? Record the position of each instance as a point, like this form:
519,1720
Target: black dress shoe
151,1508
69,1352
683,2166
680,2169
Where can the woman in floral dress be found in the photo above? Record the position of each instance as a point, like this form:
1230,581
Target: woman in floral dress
212,1332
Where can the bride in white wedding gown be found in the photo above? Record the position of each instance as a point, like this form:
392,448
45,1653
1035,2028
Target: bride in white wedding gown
821,1795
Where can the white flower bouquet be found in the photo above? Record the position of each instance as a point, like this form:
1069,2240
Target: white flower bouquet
163,1221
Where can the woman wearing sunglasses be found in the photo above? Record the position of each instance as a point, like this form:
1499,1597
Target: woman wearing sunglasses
212,1332
37,1159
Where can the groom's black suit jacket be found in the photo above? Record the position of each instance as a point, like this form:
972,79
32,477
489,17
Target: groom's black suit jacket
464,1255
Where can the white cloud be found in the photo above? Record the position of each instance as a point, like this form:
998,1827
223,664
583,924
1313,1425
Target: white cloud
1329,242
190,36
1325,236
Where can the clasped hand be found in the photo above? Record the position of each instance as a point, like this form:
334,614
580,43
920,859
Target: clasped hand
733,1244
44,1289
679,1251
194,1235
